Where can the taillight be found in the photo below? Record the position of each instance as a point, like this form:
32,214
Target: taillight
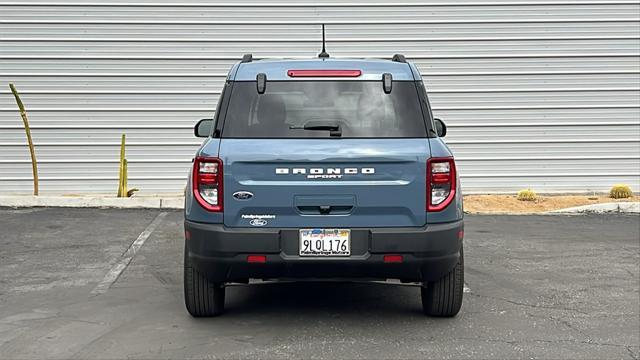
441,183
207,182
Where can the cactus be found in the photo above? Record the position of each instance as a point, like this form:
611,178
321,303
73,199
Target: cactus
123,190
131,191
122,178
527,195
27,129
620,191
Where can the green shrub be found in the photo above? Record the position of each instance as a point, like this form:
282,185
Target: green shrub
527,195
620,191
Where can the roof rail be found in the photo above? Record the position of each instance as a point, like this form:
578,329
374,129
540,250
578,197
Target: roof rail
246,58
399,58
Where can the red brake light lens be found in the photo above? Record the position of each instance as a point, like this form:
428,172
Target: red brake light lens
256,259
393,259
441,183
324,73
207,183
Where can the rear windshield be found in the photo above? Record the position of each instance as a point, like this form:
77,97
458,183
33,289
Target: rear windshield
312,109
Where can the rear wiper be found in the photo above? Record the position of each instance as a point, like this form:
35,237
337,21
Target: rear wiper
334,129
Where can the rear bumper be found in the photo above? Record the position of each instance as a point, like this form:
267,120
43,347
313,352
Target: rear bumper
428,253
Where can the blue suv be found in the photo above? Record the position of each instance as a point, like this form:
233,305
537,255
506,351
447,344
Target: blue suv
323,169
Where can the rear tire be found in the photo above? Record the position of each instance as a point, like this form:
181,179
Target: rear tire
444,297
201,297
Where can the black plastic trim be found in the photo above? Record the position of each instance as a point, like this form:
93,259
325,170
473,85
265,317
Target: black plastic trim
246,58
221,110
429,253
426,110
261,83
387,83
399,58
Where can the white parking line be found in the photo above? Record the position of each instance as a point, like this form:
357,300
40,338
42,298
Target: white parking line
466,289
125,259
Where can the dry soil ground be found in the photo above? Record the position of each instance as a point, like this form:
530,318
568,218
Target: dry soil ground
509,203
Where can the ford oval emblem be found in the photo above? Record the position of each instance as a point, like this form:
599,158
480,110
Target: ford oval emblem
242,195
258,222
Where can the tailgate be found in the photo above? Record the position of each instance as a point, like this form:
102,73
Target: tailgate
346,183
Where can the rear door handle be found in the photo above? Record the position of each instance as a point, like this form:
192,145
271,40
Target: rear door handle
325,210
324,204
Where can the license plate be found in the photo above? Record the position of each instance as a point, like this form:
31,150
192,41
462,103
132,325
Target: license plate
325,242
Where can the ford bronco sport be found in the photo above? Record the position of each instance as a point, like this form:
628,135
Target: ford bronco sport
323,169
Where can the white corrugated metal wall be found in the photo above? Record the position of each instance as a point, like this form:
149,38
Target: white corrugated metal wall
536,93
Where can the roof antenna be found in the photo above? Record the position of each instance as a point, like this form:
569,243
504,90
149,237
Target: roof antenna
323,54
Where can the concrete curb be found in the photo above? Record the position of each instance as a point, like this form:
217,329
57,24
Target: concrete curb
142,202
605,208
614,207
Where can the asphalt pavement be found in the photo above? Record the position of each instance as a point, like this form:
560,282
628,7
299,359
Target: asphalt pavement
92,283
